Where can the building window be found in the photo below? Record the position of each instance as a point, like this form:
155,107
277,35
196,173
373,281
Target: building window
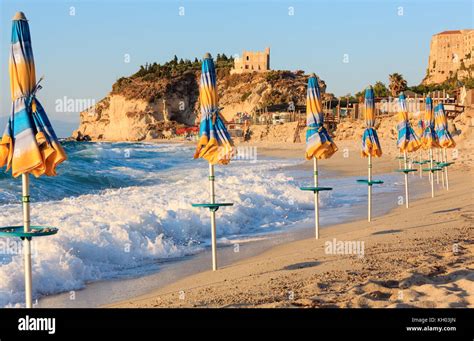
247,57
246,67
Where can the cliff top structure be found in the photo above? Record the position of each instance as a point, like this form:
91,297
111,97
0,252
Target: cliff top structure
450,56
252,62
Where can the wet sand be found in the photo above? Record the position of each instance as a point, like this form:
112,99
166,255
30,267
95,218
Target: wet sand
417,257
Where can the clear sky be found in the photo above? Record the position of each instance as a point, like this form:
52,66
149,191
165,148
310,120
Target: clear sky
81,55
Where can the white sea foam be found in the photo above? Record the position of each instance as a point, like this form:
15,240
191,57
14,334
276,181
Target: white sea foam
117,231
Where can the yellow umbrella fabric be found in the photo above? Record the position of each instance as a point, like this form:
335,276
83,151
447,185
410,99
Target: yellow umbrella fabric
29,143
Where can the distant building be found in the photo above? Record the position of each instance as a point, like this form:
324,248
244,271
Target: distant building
252,61
451,54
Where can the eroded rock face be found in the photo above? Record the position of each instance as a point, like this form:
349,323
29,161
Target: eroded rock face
116,118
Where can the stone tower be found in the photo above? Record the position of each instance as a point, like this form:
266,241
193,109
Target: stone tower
258,61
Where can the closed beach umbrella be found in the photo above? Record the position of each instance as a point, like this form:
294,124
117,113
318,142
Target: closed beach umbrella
29,144
319,144
445,140
215,144
407,140
370,143
420,128
429,139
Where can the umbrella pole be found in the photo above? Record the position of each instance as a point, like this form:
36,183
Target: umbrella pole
446,168
27,242
431,172
437,160
213,217
406,178
420,157
370,188
316,198
440,157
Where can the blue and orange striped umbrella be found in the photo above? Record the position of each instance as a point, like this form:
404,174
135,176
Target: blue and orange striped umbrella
29,144
445,140
215,144
407,140
429,139
318,142
370,140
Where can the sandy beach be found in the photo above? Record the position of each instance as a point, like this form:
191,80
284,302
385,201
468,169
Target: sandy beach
417,257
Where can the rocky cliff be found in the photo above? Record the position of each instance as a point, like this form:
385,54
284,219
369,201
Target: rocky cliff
160,98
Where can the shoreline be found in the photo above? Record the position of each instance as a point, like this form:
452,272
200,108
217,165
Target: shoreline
407,263
172,271
94,292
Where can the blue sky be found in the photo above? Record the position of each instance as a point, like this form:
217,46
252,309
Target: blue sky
81,55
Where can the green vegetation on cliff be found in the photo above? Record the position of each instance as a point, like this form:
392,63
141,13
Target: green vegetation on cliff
153,80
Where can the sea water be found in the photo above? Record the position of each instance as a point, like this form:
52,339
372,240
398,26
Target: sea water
121,208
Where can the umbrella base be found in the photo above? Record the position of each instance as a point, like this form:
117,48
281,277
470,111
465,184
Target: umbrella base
36,231
444,164
213,207
371,182
406,170
316,189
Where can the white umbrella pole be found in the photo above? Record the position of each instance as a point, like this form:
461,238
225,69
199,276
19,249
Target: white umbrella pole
431,172
27,243
437,159
406,177
446,168
369,189
213,217
421,166
316,198
441,160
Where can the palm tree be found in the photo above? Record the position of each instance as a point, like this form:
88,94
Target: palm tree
397,84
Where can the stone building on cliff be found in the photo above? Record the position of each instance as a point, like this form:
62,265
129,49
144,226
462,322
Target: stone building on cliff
451,55
258,61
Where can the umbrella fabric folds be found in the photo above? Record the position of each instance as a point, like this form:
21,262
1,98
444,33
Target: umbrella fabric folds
370,140
319,144
420,127
215,144
407,140
445,140
29,144
429,138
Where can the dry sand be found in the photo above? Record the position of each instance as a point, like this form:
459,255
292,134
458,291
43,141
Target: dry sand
417,257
